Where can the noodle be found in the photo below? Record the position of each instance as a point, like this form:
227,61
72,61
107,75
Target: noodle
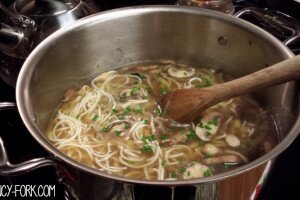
115,124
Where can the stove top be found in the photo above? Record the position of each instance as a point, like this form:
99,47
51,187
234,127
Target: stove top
282,183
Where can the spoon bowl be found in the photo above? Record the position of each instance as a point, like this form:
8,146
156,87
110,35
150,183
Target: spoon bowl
185,105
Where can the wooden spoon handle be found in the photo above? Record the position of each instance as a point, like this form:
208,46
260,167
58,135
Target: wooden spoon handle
284,71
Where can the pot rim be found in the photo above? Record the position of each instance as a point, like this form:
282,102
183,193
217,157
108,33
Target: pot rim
27,70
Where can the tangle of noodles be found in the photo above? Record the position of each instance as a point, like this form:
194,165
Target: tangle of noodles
116,125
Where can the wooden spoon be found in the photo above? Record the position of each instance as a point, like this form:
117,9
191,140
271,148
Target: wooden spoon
184,105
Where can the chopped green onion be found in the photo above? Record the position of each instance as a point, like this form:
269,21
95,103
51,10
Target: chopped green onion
146,121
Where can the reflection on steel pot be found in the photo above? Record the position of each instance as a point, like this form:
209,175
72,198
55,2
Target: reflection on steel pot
101,42
27,22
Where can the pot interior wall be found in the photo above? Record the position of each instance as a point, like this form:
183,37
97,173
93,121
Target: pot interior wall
100,45
97,44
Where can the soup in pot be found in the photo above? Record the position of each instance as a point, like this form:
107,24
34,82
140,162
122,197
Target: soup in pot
115,124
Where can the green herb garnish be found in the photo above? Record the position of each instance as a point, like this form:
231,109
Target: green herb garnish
126,110
207,82
201,143
127,126
192,135
163,137
135,89
173,175
207,134
159,112
150,138
138,109
213,122
182,170
146,121
118,132
95,118
115,110
146,149
105,129
164,91
207,155
208,125
226,166
207,173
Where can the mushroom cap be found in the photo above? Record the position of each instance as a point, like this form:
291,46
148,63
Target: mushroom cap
181,73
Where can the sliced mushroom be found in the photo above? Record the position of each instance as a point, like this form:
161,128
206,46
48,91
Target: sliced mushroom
196,170
208,130
223,159
181,73
232,140
210,149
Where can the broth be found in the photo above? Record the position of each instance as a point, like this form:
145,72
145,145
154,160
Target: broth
115,124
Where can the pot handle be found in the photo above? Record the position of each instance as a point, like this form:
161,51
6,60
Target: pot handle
278,21
6,168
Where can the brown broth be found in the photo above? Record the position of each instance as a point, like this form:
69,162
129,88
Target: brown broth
115,124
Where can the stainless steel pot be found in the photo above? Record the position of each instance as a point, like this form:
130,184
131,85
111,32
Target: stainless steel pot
72,55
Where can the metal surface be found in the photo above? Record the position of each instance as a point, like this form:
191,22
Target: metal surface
28,22
101,42
277,21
